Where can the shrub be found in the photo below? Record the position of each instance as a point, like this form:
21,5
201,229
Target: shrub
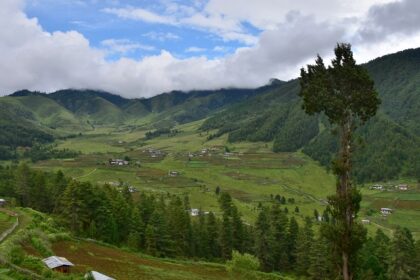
243,266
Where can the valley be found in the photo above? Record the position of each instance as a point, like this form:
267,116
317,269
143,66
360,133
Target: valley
250,172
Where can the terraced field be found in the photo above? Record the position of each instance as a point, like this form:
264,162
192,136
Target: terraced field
250,172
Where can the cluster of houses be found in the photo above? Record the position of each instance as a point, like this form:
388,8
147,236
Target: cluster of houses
173,173
194,212
118,162
386,211
63,265
400,187
154,153
204,152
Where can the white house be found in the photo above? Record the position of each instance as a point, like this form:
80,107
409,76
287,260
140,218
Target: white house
402,187
377,187
365,221
2,202
386,211
194,212
173,173
97,276
59,264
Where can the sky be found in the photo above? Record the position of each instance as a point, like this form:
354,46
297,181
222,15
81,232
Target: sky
139,48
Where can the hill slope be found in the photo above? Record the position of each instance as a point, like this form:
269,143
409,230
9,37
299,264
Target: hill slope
392,136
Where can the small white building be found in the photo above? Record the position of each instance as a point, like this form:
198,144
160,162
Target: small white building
118,162
59,264
194,212
402,187
365,221
386,211
173,173
2,202
377,187
97,276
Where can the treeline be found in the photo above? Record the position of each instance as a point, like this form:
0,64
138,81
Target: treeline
43,152
161,131
13,136
384,151
161,225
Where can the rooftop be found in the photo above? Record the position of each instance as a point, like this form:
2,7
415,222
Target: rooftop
54,261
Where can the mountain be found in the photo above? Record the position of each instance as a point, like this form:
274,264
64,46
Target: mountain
28,117
271,113
391,139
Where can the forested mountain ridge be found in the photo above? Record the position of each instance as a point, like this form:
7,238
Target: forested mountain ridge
391,139
270,113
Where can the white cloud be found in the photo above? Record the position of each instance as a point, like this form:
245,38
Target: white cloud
140,14
195,49
161,36
40,60
230,29
124,46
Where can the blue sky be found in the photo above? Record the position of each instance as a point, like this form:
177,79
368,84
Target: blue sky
139,48
136,38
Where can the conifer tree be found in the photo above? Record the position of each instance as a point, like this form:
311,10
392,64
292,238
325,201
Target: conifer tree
279,223
23,184
263,241
226,238
345,93
402,264
292,236
237,230
212,236
305,241
320,267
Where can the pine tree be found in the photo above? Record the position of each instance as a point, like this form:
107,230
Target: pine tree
135,238
402,266
263,241
320,260
292,237
237,230
279,223
305,241
226,238
345,93
212,236
23,184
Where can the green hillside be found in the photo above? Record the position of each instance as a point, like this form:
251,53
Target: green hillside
392,135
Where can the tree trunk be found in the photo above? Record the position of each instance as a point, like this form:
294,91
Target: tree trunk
344,193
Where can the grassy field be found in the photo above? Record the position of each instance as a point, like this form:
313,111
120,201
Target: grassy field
250,172
38,237
6,221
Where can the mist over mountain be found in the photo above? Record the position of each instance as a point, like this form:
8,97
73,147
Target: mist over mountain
271,113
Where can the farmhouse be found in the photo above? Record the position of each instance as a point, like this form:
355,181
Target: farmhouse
365,221
386,211
194,212
377,187
118,162
173,173
59,264
97,276
2,202
402,187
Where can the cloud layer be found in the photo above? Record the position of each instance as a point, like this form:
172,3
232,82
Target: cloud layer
33,58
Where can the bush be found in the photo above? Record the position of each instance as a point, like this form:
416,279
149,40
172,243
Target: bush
243,266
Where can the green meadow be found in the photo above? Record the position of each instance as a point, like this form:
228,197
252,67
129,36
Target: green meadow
250,172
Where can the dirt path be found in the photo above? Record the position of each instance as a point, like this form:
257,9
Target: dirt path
8,231
307,195
90,173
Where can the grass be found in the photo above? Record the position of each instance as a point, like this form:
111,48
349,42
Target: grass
252,174
124,265
6,221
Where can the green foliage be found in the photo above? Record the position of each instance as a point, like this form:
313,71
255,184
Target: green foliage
243,266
